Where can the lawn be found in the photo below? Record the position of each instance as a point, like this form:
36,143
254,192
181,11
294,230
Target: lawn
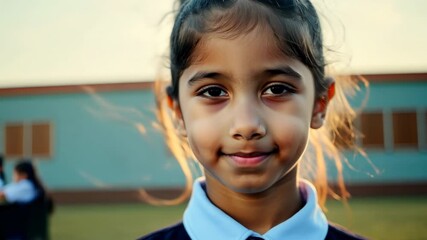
378,218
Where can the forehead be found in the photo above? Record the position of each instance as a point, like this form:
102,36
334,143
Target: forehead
260,42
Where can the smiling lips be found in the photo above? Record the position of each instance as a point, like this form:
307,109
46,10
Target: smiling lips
249,159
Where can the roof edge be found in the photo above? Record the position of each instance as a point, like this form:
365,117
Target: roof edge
396,77
102,87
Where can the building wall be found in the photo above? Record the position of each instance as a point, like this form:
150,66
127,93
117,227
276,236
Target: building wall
96,143
392,164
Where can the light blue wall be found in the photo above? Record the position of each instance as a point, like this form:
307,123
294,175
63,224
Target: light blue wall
388,167
96,145
395,95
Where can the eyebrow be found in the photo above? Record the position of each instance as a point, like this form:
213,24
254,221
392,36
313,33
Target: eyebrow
284,70
280,70
200,75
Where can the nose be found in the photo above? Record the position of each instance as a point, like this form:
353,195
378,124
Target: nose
247,123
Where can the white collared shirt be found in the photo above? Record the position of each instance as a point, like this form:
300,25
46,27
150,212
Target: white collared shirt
20,192
204,221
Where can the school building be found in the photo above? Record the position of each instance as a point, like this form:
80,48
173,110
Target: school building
102,143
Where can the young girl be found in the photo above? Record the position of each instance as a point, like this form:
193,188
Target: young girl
248,85
26,186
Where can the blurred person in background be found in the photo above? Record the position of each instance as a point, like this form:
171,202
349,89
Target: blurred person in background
26,185
2,175
25,205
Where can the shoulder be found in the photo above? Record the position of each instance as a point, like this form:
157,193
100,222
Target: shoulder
336,232
23,185
22,191
174,232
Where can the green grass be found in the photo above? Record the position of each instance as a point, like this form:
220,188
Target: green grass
110,221
377,218
383,218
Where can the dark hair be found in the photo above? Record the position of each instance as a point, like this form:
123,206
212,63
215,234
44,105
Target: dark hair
2,175
26,167
295,25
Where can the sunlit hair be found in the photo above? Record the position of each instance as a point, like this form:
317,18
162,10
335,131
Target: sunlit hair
298,34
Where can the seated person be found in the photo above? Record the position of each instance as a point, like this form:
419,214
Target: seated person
26,185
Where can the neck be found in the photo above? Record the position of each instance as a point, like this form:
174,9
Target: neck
259,211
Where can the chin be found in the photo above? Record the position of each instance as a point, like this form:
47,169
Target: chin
249,187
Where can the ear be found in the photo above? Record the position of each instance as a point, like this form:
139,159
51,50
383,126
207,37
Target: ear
321,105
177,116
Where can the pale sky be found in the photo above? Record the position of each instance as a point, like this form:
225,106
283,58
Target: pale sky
57,42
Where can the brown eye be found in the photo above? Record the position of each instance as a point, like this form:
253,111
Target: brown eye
278,89
212,92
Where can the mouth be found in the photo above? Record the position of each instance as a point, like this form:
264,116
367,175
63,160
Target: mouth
252,159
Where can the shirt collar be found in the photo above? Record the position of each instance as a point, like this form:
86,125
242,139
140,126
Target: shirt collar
204,221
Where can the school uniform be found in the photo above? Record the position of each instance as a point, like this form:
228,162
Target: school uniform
20,192
204,221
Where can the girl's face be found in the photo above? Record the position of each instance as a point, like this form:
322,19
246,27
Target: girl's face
18,176
246,110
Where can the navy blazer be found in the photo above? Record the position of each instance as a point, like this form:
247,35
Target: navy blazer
178,232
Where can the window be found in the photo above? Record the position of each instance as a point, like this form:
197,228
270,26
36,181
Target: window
28,140
14,140
372,128
40,139
405,130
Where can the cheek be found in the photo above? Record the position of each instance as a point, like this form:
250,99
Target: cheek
293,131
290,132
203,138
